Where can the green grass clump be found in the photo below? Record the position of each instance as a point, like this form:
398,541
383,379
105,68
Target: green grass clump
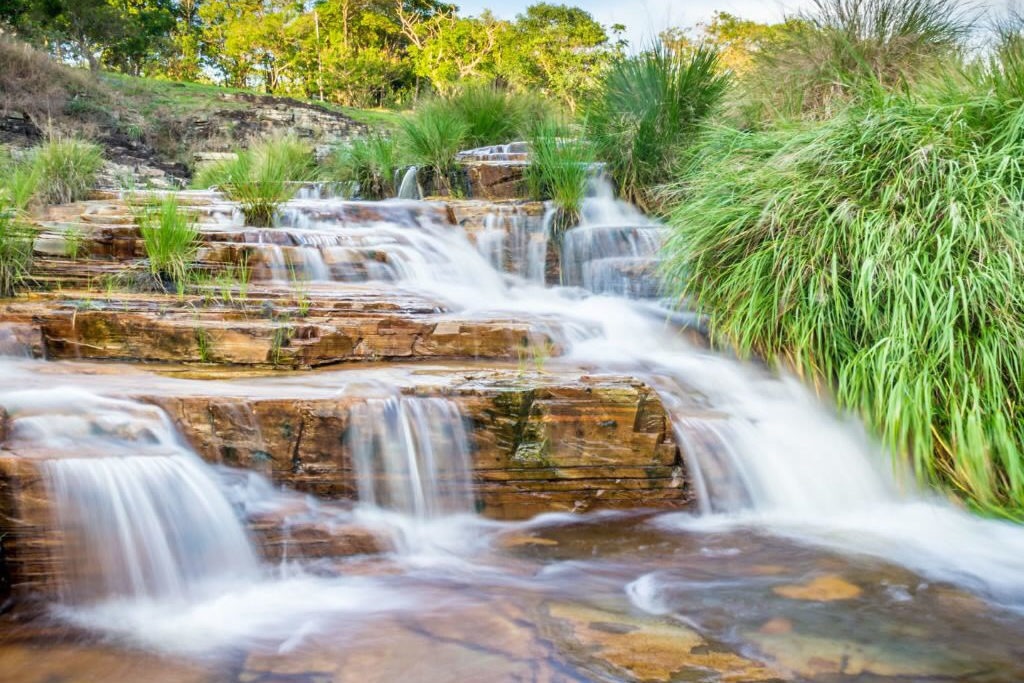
262,177
171,239
492,115
838,46
63,171
881,250
16,240
19,181
431,137
648,113
559,167
369,163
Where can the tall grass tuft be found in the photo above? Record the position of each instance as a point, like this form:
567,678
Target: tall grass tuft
370,163
432,136
648,113
16,240
839,48
881,250
262,177
171,239
492,115
559,167
64,171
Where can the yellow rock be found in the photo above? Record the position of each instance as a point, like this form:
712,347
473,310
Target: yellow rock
821,589
651,649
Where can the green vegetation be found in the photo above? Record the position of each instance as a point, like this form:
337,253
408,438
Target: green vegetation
648,113
171,239
369,163
367,54
876,242
15,249
432,136
846,47
65,170
262,177
492,115
559,166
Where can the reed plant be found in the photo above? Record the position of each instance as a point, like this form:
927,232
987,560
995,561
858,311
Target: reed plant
881,250
648,113
171,240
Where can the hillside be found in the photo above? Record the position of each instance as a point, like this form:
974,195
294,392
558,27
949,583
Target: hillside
153,129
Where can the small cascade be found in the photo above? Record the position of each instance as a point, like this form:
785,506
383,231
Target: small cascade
140,516
515,242
15,340
409,187
412,456
614,249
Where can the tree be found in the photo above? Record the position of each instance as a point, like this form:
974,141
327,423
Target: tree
454,49
736,40
558,49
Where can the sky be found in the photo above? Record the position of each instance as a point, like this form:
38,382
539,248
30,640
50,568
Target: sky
644,19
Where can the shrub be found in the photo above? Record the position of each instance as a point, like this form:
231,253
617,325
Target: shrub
648,112
171,240
559,167
262,177
432,136
369,163
65,170
881,250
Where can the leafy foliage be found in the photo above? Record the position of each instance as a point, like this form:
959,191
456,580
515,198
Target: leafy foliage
648,112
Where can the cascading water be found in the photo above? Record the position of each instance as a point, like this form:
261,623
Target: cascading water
411,456
139,514
409,187
614,249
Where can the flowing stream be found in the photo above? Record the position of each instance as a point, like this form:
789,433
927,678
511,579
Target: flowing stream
810,555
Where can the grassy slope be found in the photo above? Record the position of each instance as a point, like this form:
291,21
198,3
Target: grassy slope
152,97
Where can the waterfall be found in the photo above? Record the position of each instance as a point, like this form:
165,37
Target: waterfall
614,249
140,515
411,456
410,189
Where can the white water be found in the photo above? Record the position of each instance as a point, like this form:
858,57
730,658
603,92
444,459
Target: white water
140,515
409,187
614,249
766,453
411,456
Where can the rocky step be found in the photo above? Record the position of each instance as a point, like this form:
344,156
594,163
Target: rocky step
33,560
163,328
541,442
